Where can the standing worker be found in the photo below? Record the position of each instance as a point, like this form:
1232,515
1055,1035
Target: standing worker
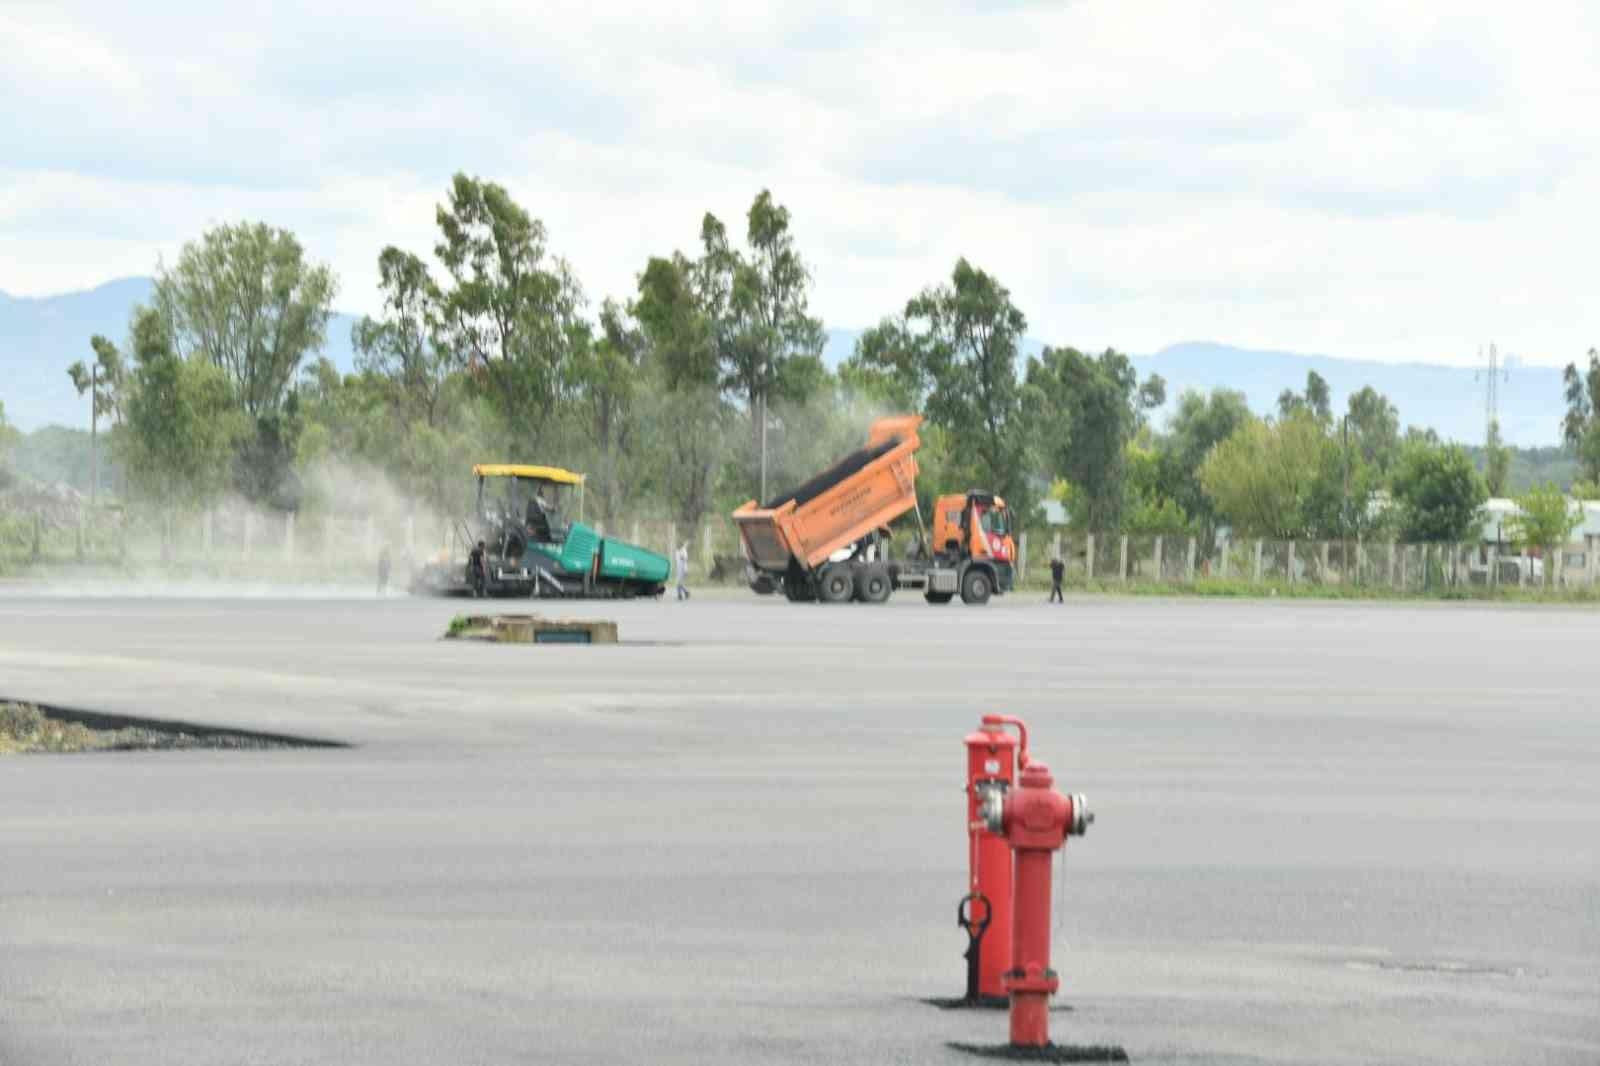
383,571
475,569
680,561
1058,570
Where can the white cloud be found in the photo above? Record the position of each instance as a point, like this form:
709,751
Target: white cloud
1366,179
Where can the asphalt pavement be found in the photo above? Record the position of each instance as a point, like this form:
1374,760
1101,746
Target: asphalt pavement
1326,833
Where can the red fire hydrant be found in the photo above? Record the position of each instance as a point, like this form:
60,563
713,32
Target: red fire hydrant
1036,820
985,911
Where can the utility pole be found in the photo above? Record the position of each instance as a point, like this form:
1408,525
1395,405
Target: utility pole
1491,376
763,406
94,432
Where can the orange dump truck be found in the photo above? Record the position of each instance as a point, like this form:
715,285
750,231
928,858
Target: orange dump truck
828,540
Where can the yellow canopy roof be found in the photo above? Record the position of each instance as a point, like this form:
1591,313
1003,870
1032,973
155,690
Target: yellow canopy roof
546,473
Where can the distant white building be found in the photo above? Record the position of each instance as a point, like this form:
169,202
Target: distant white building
1498,513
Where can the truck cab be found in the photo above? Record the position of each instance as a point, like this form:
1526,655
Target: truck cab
975,529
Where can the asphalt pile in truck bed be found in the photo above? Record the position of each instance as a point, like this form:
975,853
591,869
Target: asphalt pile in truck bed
830,477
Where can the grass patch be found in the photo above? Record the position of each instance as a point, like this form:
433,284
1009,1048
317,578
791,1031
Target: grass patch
1227,588
27,729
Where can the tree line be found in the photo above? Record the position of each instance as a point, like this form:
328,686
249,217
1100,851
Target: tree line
705,386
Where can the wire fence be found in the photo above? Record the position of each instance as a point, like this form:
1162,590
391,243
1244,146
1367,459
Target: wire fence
1131,559
247,539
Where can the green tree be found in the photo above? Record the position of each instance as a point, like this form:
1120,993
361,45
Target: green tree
1373,424
1087,409
1200,422
1148,509
402,347
244,299
1316,399
611,373
1497,461
1262,478
106,376
763,342
1580,429
689,429
9,437
512,315
183,421
957,344
1438,494
1545,520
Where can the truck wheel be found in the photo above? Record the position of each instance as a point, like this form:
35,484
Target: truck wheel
798,589
873,585
764,585
976,587
837,584
938,598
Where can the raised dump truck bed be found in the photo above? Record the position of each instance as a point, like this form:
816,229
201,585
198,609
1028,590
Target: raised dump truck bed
827,539
856,496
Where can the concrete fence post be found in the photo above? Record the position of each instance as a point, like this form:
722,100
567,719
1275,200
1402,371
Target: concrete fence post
1155,557
705,547
1322,578
1256,575
1391,564
1494,566
1222,559
1291,562
1361,558
1188,563
1122,559
1088,555
672,537
1022,558
634,537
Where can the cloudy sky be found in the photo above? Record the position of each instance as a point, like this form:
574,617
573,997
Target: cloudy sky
1377,180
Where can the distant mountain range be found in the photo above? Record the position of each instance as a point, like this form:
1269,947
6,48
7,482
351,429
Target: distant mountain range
40,338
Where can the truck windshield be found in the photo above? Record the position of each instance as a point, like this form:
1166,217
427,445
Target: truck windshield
996,520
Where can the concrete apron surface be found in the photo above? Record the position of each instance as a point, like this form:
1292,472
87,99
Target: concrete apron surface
1326,833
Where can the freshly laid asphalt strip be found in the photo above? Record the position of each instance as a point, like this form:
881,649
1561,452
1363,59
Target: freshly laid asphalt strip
1326,833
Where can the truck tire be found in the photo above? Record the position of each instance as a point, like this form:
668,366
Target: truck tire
798,589
873,584
836,584
938,599
976,587
764,585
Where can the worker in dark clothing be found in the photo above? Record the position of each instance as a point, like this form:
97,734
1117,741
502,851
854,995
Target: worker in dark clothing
475,569
383,571
1058,570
